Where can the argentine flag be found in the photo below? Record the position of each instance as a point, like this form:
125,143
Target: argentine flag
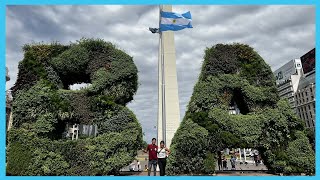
171,21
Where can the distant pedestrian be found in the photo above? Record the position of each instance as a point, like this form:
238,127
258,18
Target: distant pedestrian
138,164
152,149
224,163
163,152
255,157
233,163
219,160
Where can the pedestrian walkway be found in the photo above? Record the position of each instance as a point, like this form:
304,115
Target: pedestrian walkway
217,174
250,165
143,158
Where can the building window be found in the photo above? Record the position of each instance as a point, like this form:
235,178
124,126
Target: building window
312,122
308,124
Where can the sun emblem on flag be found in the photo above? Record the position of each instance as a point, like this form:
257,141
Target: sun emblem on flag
174,21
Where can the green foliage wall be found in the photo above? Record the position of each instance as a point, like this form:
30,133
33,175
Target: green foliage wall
237,74
188,147
43,105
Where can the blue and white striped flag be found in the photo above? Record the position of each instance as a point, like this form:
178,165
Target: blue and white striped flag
171,21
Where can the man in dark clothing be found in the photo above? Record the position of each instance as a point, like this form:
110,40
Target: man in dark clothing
224,164
255,157
152,149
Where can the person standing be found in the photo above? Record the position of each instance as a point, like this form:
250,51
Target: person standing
233,163
138,164
255,157
152,149
224,163
163,152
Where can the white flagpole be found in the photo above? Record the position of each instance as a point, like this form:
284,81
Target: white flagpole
163,84
159,71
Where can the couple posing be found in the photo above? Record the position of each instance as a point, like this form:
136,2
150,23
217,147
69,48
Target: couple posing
157,155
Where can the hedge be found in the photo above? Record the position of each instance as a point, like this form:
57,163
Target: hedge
235,73
43,105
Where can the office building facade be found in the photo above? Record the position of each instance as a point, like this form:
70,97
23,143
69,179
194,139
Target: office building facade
296,82
305,98
287,80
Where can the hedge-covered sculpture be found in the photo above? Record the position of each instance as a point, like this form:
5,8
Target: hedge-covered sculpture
235,75
43,105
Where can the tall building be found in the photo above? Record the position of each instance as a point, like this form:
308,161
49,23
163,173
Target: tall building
296,82
287,80
308,61
305,99
305,95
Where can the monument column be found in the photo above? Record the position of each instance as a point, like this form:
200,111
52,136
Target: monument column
168,107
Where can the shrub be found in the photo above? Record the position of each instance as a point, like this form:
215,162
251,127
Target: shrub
47,163
301,157
209,163
188,149
18,158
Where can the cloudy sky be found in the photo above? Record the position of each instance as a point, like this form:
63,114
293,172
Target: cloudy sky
277,33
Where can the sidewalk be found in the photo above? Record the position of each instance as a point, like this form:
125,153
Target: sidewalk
218,174
250,166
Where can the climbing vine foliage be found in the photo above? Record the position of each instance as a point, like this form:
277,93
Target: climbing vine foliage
236,76
43,105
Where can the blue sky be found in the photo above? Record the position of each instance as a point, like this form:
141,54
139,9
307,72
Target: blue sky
277,33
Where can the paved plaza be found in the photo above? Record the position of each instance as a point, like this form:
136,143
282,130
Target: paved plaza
249,166
217,174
